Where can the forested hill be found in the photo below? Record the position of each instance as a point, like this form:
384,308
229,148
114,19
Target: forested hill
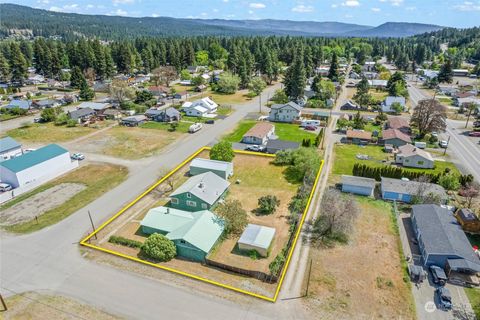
22,20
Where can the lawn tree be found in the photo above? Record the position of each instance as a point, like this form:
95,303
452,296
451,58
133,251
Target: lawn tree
159,247
428,116
228,83
222,151
268,204
86,93
201,57
471,108
449,181
143,96
257,85
185,75
421,194
362,96
121,91
4,69
446,72
324,89
333,74
397,107
164,75
236,218
358,122
470,192
397,86
336,222
48,115
279,97
76,78
295,77
18,64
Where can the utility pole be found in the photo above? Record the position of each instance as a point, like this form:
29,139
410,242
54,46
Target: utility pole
308,279
260,104
93,226
448,142
3,303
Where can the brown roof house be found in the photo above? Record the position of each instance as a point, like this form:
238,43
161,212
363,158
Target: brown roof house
411,156
259,133
395,138
359,136
468,220
398,123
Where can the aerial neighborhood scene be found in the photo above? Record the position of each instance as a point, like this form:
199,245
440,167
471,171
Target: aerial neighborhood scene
231,159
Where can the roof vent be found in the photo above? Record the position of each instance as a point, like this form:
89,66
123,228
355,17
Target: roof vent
201,185
168,211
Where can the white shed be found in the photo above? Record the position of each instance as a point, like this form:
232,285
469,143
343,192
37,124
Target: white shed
256,237
9,148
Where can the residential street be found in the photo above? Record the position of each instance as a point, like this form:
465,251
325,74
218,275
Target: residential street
51,260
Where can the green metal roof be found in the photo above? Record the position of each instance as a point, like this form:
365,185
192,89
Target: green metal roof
201,229
33,158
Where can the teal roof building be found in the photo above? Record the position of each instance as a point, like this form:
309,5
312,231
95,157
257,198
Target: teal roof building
194,233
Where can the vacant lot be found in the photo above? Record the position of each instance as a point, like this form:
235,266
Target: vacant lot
98,179
181,127
345,158
130,143
258,177
363,279
32,305
473,295
284,131
50,133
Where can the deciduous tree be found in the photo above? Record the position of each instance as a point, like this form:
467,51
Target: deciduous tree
428,116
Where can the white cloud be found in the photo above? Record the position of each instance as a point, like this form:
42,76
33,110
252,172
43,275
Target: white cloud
225,1
215,10
334,5
123,1
411,8
250,11
66,8
348,16
118,12
468,6
90,6
43,1
155,15
303,9
351,3
396,3
376,9
257,5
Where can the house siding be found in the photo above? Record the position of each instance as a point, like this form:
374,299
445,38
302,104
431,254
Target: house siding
365,191
285,114
188,251
395,142
388,195
416,162
182,202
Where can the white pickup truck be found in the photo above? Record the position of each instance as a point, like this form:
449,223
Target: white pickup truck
195,127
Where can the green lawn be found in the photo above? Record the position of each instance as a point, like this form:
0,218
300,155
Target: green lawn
182,126
7,116
284,131
345,158
48,133
98,179
473,295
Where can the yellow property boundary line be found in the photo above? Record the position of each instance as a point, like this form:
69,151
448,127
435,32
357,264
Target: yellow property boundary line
85,243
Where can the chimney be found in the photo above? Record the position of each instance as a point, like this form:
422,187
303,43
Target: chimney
168,210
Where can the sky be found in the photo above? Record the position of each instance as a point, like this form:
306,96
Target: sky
368,12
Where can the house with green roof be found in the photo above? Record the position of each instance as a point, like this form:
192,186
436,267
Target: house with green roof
200,192
37,166
194,233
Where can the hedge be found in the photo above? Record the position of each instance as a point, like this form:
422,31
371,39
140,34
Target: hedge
125,242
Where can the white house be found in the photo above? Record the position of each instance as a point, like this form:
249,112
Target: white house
285,112
390,100
411,156
37,166
200,108
259,133
9,148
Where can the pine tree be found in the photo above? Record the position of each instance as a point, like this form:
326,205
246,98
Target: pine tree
76,78
18,64
86,93
446,72
295,78
4,68
333,74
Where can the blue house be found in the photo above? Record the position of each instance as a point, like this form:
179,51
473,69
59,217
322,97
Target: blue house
358,185
405,190
21,104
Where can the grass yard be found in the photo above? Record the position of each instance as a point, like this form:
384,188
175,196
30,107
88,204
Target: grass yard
131,143
182,126
98,180
378,95
371,285
445,100
284,131
473,295
8,116
33,305
372,127
48,133
345,158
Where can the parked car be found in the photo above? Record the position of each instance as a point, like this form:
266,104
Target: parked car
255,148
310,128
443,143
77,156
37,120
5,187
210,121
438,275
195,127
444,298
434,134
474,134
476,124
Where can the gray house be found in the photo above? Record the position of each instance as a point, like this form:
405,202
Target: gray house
358,185
133,121
442,241
405,190
285,112
411,156
81,114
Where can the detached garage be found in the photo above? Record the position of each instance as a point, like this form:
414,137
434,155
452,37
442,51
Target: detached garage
222,169
358,185
36,166
258,238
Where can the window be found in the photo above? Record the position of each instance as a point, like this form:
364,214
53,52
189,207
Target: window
407,161
174,200
191,203
189,195
204,206
420,163
182,241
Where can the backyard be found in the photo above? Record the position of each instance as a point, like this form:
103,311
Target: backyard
284,131
372,284
89,182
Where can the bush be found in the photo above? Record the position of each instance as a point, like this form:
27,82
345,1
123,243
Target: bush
268,204
125,242
61,119
276,265
235,216
228,83
449,181
71,123
222,151
316,103
159,247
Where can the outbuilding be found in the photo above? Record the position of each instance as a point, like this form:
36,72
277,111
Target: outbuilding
258,238
223,169
36,166
468,220
273,146
358,185
9,148
406,190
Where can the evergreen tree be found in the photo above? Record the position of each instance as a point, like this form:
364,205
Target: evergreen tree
18,64
362,96
86,93
333,74
4,68
295,78
76,78
446,72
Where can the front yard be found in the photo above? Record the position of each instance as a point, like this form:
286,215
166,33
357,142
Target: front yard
50,133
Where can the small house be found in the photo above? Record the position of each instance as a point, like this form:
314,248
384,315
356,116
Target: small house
98,107
390,100
200,192
460,72
378,84
259,134
349,105
398,123
275,145
166,115
358,185
285,112
80,115
20,104
405,190
368,66
359,136
468,220
113,114
200,107
133,121
193,233
9,148
258,238
222,169
395,137
411,156
47,103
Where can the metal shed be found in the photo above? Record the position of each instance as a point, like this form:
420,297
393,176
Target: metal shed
222,169
358,185
256,237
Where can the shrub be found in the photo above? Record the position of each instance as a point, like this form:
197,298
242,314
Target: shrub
235,216
71,123
276,265
268,204
125,242
222,151
159,247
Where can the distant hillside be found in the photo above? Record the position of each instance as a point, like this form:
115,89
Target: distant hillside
26,21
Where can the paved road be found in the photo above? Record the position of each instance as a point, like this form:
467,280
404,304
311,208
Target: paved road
50,259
